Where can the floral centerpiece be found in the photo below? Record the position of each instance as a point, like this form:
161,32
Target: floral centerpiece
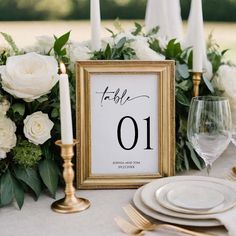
29,101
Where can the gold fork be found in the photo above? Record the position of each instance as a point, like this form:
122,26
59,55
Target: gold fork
232,175
127,227
141,222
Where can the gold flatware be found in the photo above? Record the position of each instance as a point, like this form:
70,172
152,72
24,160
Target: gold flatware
127,227
234,169
143,223
232,175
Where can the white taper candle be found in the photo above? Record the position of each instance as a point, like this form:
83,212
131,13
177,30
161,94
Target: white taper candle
198,43
95,21
65,107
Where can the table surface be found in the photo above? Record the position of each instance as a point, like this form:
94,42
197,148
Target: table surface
37,219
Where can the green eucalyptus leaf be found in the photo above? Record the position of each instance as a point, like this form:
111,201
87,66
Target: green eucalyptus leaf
190,60
155,46
6,189
42,99
224,51
186,163
138,29
18,108
121,43
181,98
110,31
55,113
170,48
183,70
185,85
60,43
153,31
215,59
30,177
194,156
173,49
49,173
63,53
18,192
107,52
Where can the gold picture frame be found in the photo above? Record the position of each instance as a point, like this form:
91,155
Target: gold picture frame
88,76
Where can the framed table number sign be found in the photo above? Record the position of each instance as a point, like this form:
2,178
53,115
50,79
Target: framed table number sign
125,123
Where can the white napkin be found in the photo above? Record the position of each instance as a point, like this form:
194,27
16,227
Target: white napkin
228,219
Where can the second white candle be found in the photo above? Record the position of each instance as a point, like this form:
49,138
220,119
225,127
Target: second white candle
95,21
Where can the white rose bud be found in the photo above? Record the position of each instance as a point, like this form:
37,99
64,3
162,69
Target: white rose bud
4,106
7,135
37,127
29,76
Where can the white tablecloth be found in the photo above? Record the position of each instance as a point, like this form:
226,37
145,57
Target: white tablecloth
37,219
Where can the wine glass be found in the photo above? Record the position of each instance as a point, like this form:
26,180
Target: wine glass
233,115
209,127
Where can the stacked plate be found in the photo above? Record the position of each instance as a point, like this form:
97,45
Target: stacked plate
187,200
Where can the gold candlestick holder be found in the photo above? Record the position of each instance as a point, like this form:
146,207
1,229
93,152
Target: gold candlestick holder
197,76
70,203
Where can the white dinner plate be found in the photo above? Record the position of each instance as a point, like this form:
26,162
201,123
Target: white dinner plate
169,219
149,199
196,197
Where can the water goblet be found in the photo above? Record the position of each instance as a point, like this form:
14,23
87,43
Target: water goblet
209,127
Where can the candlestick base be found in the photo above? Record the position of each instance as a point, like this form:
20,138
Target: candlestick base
196,82
72,205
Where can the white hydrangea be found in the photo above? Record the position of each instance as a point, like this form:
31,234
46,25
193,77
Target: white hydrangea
78,51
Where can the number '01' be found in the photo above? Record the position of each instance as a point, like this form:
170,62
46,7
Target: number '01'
148,147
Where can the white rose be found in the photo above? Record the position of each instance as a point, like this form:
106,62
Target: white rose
4,106
78,51
225,80
37,127
7,135
29,76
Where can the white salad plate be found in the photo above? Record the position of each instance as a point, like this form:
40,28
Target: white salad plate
169,219
196,197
